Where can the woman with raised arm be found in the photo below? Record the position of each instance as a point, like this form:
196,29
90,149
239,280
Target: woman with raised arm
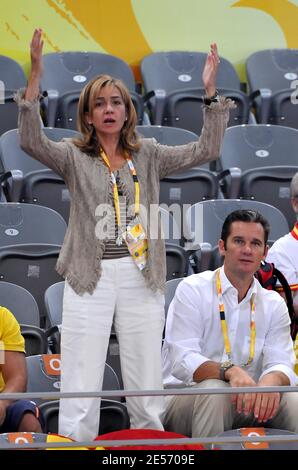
114,270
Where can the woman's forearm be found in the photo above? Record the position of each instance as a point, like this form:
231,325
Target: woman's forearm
32,90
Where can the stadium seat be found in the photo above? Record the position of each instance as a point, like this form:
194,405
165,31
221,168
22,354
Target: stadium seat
27,180
271,75
174,89
65,75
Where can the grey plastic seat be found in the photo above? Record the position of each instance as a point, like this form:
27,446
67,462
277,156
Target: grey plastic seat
203,223
31,266
167,135
44,375
27,180
36,341
171,287
258,145
54,303
177,261
258,162
113,416
272,186
188,187
20,302
12,77
65,75
174,88
270,75
30,223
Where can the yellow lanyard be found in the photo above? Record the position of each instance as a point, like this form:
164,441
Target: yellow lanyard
224,323
115,188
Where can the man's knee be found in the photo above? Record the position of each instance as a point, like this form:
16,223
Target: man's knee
29,423
217,402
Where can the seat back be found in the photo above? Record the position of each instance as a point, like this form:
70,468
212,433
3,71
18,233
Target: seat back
14,158
68,108
30,223
36,341
71,70
65,75
38,182
167,135
113,416
177,261
12,77
254,146
272,186
203,221
272,71
166,72
171,229
44,375
174,70
171,287
20,302
54,303
31,266
188,187
183,108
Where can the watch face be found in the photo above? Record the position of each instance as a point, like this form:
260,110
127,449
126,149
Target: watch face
226,364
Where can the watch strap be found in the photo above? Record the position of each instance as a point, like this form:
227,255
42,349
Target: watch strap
222,371
212,99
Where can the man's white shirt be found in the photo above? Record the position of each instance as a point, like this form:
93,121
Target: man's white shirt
194,334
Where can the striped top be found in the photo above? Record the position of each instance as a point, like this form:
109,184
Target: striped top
112,250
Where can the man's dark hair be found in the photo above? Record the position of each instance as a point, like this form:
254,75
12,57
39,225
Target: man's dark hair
244,215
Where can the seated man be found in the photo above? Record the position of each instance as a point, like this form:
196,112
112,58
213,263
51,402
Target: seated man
20,415
284,252
223,329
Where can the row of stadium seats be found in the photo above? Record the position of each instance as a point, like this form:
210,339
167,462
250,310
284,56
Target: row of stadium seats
257,162
172,88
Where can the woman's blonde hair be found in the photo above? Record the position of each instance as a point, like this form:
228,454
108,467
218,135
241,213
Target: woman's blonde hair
88,141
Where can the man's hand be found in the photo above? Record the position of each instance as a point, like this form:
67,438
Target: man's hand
237,377
266,406
210,71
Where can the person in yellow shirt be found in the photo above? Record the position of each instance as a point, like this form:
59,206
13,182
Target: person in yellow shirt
20,415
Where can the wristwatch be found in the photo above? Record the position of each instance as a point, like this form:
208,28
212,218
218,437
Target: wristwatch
212,99
224,366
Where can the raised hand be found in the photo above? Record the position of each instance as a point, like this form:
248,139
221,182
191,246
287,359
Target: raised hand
210,70
36,46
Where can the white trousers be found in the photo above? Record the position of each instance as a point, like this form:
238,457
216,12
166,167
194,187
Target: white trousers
122,297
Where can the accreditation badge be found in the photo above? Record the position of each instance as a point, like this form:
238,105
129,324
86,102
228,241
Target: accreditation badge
136,241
